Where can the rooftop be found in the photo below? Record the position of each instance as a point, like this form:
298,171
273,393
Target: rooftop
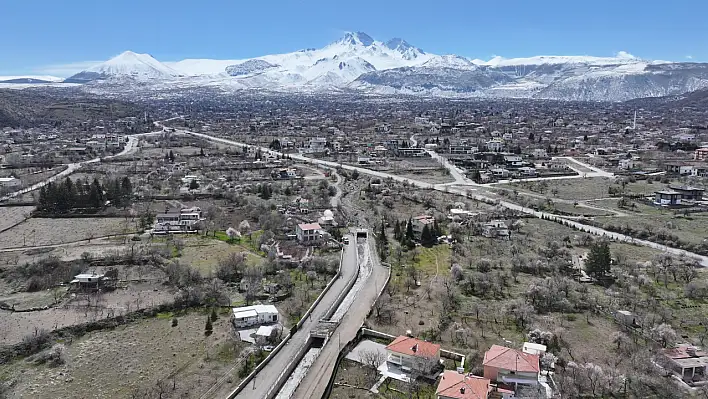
413,347
511,359
462,386
309,226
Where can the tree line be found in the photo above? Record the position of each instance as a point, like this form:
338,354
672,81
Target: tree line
66,195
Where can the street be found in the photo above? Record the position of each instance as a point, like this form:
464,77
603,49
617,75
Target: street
315,382
464,192
267,377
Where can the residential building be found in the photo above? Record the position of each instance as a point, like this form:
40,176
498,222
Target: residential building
539,153
495,229
513,161
413,356
495,145
88,282
527,171
686,362
454,385
184,220
678,169
701,154
308,232
247,316
327,218
667,198
419,223
511,366
689,193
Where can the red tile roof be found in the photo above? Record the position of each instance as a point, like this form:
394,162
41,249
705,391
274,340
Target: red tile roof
309,226
505,358
413,347
682,352
462,386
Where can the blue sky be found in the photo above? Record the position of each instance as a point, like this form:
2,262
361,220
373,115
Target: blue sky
62,37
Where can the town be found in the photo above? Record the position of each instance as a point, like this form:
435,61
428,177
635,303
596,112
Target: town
297,247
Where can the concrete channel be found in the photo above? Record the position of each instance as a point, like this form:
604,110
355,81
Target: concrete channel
298,369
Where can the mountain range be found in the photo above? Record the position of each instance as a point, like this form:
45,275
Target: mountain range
356,62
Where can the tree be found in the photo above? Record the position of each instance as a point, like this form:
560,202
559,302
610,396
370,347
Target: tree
208,328
171,156
409,230
214,316
193,185
598,263
664,333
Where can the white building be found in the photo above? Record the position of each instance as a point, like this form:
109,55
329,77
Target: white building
184,220
247,316
308,232
495,145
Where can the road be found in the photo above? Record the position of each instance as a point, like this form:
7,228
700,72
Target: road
315,382
130,147
266,378
464,192
597,171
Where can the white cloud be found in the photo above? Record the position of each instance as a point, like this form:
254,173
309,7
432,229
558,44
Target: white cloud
66,70
689,57
624,54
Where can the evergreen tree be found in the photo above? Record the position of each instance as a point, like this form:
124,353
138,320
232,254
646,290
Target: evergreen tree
126,190
409,230
208,328
201,152
171,156
426,236
437,231
193,185
383,241
214,316
598,263
397,231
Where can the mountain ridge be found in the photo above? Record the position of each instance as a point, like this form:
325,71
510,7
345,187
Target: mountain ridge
358,62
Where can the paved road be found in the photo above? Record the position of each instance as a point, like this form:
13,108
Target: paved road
130,147
315,382
465,192
596,170
267,377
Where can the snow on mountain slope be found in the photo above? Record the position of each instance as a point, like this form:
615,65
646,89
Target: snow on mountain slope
249,67
359,62
450,61
393,54
621,58
126,65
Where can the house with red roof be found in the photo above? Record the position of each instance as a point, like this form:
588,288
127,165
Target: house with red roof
454,385
308,232
413,355
511,366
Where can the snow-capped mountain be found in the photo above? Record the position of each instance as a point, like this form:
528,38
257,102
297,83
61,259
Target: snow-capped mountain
359,62
126,65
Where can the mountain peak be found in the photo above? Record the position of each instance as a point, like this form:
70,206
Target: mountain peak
357,38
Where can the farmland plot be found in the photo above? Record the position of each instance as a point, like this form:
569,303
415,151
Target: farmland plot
41,231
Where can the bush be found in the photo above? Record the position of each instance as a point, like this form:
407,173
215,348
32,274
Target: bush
55,356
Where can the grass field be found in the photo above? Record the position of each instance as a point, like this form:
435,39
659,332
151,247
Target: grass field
11,215
134,357
204,254
41,231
